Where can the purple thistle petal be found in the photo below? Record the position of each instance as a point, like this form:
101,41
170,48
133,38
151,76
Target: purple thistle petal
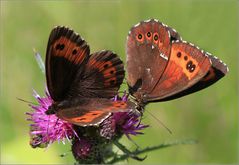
46,129
125,96
129,122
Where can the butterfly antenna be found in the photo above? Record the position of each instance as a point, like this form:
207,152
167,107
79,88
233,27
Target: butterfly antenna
160,122
26,101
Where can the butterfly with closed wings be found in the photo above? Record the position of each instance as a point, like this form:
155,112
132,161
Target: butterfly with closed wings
161,66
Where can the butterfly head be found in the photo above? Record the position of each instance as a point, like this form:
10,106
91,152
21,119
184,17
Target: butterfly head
51,109
138,95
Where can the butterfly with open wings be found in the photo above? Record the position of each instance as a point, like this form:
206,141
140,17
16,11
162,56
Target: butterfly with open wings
82,85
160,66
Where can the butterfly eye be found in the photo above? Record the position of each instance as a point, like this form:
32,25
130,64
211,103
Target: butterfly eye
148,34
140,37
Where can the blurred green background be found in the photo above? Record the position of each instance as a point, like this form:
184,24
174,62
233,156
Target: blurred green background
210,116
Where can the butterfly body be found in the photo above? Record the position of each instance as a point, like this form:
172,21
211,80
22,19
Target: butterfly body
161,66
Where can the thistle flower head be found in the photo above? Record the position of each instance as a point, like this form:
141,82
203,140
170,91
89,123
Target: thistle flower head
81,148
46,129
127,123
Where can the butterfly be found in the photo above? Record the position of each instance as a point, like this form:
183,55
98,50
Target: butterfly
161,66
82,84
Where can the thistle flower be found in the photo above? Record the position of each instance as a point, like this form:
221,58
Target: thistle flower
81,148
46,129
129,123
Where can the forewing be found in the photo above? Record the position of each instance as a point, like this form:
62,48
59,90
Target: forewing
148,49
66,56
174,35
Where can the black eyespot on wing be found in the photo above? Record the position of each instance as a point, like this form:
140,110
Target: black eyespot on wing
74,51
179,54
140,36
67,54
60,46
106,65
156,37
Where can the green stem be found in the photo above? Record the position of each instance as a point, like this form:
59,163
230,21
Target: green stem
147,149
128,152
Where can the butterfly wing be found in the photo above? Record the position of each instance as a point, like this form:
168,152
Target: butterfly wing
92,112
174,35
217,70
148,49
66,55
102,78
187,65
